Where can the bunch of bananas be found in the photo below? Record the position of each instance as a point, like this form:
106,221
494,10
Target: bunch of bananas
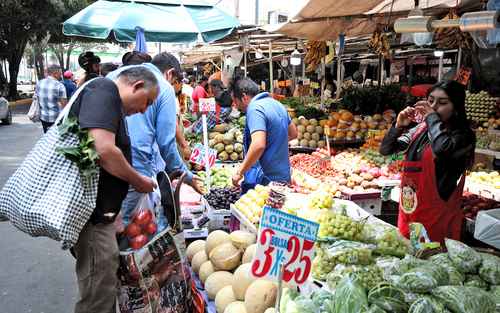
446,38
315,51
379,44
208,69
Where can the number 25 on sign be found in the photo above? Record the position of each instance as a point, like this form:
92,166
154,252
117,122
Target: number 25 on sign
286,240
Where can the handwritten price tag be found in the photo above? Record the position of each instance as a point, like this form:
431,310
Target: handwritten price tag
286,240
207,104
198,155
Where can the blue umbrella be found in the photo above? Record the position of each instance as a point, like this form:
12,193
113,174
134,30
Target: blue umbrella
162,20
140,40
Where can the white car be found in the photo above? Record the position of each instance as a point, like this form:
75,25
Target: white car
5,112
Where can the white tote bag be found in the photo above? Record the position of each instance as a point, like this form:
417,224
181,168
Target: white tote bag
48,195
34,111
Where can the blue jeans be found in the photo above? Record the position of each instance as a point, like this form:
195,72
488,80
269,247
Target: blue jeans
130,203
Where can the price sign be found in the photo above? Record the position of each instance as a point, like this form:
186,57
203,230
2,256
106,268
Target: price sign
207,104
463,76
284,240
198,155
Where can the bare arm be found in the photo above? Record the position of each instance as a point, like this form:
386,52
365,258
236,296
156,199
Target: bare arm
113,161
292,131
179,136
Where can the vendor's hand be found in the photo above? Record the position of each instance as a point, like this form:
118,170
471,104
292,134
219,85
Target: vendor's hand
405,117
424,108
144,184
198,185
237,178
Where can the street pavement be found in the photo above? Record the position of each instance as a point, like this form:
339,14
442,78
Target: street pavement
36,275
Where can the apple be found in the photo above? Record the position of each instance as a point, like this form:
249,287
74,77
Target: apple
138,241
132,230
151,228
143,217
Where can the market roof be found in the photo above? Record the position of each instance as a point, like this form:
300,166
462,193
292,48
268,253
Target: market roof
326,19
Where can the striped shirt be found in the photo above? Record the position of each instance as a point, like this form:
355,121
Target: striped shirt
49,92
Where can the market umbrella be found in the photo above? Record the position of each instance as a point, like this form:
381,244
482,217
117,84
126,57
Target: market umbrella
140,40
163,21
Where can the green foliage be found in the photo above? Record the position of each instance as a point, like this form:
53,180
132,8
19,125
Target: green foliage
373,99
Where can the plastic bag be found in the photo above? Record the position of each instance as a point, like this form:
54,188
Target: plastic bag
349,296
367,276
392,243
143,224
287,300
388,297
466,259
475,281
375,309
323,300
410,262
389,265
454,275
490,268
424,278
495,292
460,299
427,304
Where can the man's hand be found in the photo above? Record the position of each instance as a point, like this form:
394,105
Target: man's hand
144,184
198,185
237,178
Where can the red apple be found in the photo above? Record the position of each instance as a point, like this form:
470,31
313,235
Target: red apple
143,217
151,228
132,230
138,242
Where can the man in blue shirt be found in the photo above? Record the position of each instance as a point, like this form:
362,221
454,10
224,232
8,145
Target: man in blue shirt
152,134
69,84
268,129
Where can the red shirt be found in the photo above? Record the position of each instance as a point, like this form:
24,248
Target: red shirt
198,92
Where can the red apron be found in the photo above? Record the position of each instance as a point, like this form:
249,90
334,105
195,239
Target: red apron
420,201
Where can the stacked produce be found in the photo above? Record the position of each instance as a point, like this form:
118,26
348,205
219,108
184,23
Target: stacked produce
491,179
472,204
344,125
222,263
227,142
479,106
314,165
487,140
220,177
222,198
310,133
251,203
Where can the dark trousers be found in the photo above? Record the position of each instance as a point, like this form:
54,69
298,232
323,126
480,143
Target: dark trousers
46,125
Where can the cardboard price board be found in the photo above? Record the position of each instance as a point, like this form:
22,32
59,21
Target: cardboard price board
198,155
207,104
284,240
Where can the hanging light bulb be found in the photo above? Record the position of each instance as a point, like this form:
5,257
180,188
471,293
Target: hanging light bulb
295,57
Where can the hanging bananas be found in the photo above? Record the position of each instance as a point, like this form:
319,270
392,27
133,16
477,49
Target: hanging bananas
450,38
315,51
379,44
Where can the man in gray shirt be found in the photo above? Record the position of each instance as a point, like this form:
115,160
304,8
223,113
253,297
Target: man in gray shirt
51,95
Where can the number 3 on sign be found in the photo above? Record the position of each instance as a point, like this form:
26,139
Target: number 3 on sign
285,240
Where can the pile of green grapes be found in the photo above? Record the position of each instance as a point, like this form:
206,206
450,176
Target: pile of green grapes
332,224
368,276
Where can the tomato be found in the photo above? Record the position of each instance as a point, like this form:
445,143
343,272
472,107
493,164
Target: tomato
138,242
151,228
143,217
132,230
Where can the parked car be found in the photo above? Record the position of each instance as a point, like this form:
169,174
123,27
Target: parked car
5,112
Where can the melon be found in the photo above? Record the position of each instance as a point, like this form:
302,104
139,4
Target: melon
307,136
311,129
249,253
216,281
225,257
198,259
315,136
236,307
301,129
206,269
313,122
260,295
242,278
215,239
242,239
270,310
304,142
194,247
300,136
224,297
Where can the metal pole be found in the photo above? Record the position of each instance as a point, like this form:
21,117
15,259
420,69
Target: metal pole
256,12
323,82
237,9
245,57
294,77
459,59
440,73
339,77
159,47
271,79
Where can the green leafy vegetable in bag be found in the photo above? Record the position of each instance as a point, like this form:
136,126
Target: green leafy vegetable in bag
461,299
475,281
375,309
410,262
427,304
349,296
424,278
388,297
454,275
495,292
466,259
490,268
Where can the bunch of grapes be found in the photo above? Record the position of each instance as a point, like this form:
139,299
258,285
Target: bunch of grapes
321,199
341,226
391,243
368,276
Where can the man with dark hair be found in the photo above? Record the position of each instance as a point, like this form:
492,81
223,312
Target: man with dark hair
51,95
268,129
101,108
153,133
107,68
199,92
135,58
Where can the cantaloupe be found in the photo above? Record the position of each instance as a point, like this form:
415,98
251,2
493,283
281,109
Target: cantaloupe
214,239
260,295
225,257
194,248
242,278
216,281
270,310
311,129
224,297
236,307
242,239
249,253
307,136
206,269
198,259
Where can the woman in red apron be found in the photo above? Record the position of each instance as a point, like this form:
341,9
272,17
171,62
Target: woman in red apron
438,151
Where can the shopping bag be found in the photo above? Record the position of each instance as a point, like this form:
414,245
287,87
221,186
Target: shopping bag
34,111
48,195
156,278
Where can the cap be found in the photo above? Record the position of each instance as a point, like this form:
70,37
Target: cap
68,74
